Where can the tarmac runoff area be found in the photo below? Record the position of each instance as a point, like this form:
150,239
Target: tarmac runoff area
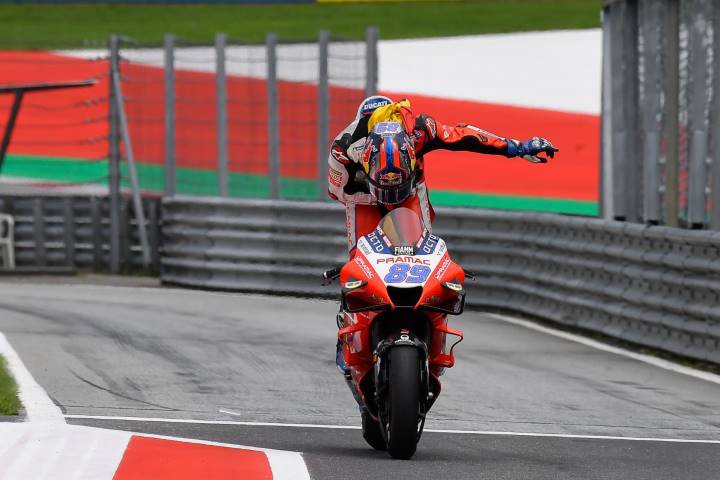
140,372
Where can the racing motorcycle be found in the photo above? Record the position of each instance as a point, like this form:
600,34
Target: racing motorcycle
397,292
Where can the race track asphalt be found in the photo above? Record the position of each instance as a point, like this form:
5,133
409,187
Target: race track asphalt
186,359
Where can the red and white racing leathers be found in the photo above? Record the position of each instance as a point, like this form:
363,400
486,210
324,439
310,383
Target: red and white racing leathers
347,184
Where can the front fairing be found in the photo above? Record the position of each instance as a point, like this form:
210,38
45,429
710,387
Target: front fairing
402,265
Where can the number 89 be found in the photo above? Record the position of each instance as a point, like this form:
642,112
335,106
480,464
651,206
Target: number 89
401,272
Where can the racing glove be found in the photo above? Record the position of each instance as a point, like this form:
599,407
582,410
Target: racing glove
531,149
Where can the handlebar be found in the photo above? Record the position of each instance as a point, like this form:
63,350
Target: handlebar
330,275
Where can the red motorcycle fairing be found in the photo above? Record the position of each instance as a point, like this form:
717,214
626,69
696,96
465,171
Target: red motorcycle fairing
366,303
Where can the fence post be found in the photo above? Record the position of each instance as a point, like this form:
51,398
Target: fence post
715,123
697,121
114,180
323,112
272,113
626,164
672,90
69,230
221,107
606,165
371,60
39,231
170,176
650,102
132,170
97,236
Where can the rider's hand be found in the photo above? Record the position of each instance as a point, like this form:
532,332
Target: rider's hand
531,149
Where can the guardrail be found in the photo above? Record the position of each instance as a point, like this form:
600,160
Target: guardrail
74,232
654,286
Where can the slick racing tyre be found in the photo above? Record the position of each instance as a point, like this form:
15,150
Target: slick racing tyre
371,432
403,401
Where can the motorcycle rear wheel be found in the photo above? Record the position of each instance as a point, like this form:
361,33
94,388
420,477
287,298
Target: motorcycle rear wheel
403,402
372,432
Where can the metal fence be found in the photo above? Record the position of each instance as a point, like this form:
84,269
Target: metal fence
661,112
238,119
654,286
70,232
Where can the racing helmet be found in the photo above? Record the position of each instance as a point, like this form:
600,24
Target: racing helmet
389,163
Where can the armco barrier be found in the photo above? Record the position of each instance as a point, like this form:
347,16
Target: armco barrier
74,231
654,286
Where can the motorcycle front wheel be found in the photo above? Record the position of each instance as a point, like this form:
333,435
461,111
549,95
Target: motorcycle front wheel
403,402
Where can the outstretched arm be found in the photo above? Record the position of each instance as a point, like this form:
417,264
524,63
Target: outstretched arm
431,135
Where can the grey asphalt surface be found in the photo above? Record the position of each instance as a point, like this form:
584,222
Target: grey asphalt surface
142,351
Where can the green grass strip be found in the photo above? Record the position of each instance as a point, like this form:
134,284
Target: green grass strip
66,25
512,202
9,401
192,181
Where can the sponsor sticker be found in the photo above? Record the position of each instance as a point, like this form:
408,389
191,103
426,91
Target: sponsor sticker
441,249
430,244
404,250
364,267
375,242
430,123
393,260
443,268
387,128
335,177
481,133
373,104
364,247
391,178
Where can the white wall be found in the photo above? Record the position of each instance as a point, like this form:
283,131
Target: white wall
557,70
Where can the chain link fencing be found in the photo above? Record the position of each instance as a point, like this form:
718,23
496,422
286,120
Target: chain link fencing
237,119
226,118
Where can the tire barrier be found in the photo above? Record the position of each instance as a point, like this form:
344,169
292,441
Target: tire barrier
57,233
653,286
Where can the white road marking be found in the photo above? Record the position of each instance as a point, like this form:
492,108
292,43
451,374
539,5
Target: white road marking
354,427
287,465
209,422
46,451
37,404
48,445
655,361
229,412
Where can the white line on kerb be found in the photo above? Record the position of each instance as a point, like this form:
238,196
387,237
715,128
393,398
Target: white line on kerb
655,361
37,404
354,427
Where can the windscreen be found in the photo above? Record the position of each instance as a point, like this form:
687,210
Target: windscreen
402,227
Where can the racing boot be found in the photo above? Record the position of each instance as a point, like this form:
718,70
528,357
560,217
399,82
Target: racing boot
339,358
340,361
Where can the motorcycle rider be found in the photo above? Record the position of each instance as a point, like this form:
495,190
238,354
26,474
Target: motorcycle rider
376,163
370,183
